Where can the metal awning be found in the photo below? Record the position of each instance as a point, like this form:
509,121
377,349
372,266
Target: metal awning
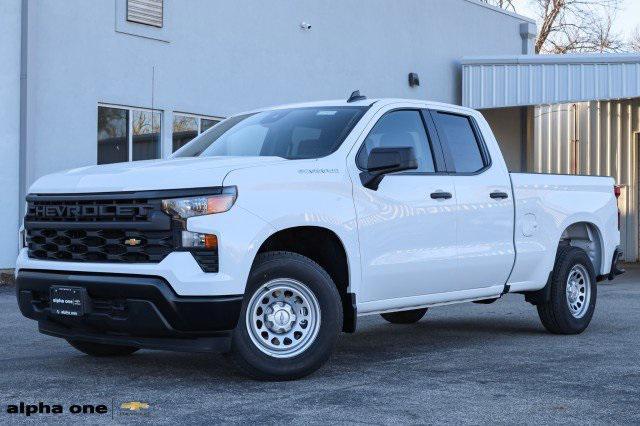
506,81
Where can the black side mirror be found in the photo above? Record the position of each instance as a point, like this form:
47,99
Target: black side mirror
383,161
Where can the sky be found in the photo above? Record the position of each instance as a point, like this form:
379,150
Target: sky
626,19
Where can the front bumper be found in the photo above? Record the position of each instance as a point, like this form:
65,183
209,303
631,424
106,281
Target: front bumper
133,310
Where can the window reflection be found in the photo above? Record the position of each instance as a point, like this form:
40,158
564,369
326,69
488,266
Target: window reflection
146,135
185,128
206,124
113,130
126,134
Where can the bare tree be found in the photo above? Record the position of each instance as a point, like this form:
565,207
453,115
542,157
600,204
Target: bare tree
596,35
577,26
634,43
505,4
573,25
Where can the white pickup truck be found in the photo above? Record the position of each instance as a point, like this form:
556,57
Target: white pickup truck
270,233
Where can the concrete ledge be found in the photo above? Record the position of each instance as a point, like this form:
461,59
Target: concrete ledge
6,277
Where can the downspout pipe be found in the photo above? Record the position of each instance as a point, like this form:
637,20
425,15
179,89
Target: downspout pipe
22,166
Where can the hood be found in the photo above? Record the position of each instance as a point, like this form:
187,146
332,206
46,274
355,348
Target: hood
176,173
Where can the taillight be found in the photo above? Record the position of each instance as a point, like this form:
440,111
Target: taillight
617,191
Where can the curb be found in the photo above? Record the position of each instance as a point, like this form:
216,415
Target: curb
7,278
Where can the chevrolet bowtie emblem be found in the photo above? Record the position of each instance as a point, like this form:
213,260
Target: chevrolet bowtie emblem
132,242
134,406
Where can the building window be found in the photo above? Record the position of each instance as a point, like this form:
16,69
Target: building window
128,134
188,126
147,12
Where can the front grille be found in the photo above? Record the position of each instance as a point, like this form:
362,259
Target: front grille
102,229
99,245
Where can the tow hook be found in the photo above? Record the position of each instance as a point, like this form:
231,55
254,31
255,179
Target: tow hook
615,267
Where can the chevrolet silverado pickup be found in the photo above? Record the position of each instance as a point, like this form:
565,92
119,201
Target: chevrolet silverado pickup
272,232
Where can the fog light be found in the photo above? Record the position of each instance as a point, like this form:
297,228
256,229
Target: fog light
198,240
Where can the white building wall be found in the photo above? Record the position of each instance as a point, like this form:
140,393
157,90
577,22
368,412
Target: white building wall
9,128
594,138
219,58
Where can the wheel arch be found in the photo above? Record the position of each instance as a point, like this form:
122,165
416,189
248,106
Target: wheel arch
587,236
325,247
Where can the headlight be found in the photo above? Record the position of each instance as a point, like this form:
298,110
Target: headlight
185,208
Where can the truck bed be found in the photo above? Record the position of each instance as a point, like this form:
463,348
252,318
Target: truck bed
545,206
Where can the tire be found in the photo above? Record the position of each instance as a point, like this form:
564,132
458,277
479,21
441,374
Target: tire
102,350
405,317
268,344
573,293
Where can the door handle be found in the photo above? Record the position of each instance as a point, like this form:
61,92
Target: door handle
441,195
498,194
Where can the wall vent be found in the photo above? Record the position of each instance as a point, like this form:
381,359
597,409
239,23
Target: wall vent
147,12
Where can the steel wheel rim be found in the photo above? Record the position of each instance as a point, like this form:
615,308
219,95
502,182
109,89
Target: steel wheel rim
578,291
283,318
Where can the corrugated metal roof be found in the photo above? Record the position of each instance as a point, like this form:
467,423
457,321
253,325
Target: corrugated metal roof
504,81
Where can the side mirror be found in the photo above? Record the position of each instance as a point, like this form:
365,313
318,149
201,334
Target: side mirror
383,161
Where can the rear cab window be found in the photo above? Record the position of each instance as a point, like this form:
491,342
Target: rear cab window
461,141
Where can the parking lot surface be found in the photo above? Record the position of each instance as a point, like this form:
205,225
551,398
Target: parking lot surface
461,364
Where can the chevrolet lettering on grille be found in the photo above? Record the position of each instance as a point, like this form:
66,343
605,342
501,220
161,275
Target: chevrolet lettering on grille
53,211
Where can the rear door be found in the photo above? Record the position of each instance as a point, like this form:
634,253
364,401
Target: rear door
485,211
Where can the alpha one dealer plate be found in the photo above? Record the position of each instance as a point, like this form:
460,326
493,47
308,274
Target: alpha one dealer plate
68,301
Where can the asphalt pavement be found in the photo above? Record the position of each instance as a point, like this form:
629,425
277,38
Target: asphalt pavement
466,363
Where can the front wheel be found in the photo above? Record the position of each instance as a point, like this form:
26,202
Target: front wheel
573,293
290,319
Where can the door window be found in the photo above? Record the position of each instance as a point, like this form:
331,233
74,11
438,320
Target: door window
399,129
457,131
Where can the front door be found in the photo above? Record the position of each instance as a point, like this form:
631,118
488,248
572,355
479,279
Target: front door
407,227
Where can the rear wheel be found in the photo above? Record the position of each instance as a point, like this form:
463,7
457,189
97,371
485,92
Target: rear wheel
573,293
102,350
405,317
290,319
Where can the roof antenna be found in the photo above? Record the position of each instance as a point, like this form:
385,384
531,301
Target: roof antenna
356,96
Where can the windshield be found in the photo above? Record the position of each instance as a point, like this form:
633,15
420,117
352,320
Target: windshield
288,133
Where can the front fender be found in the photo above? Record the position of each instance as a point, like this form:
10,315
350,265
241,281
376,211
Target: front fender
240,234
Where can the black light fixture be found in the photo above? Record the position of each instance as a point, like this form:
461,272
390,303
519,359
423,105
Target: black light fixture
414,80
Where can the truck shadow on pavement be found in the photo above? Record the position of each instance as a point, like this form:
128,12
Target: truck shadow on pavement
376,342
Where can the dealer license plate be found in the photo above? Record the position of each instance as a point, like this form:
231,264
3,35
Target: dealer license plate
68,301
